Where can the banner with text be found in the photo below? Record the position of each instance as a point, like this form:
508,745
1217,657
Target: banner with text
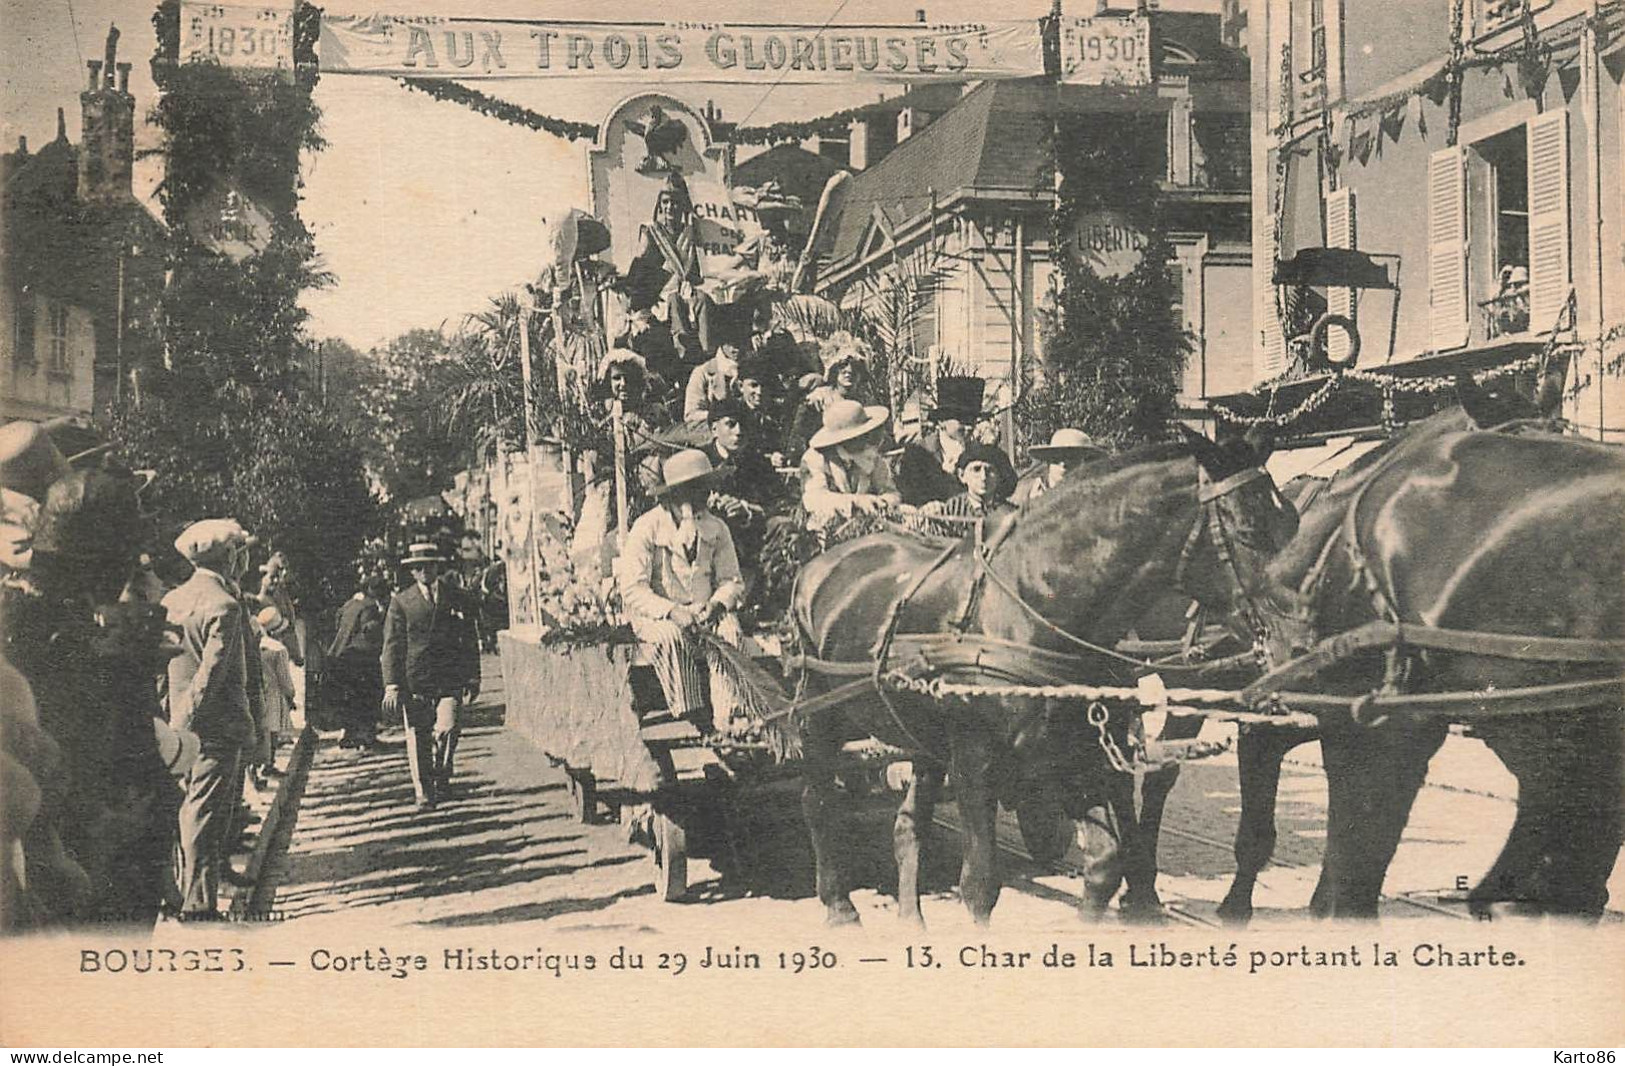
1106,50
429,47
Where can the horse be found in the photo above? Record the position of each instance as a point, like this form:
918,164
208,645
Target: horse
1041,597
1452,527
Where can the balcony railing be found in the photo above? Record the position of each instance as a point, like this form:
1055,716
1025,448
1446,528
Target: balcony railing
1507,313
1497,14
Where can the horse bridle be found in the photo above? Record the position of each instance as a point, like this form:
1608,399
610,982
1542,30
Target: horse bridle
1208,517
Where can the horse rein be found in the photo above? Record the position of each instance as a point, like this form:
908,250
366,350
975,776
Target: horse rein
1208,493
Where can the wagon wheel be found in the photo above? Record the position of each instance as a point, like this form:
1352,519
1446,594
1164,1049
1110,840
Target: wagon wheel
670,858
583,796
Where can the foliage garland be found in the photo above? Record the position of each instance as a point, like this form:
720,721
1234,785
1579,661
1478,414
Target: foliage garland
1114,353
518,115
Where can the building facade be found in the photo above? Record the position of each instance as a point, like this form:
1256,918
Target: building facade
1473,150
966,195
81,261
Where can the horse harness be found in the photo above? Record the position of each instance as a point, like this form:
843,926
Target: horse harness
965,650
1402,643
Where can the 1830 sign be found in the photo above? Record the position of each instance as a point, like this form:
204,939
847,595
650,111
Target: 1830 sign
257,38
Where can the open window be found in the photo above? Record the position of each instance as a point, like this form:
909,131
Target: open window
1499,261
1498,268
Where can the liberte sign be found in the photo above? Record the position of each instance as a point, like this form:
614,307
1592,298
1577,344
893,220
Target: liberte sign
406,46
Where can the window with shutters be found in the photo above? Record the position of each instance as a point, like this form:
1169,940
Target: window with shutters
1311,50
1340,301
1499,261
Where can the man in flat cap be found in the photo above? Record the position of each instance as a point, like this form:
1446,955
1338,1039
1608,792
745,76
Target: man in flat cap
208,695
431,664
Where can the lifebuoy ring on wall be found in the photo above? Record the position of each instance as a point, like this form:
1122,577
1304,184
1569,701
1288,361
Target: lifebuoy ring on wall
1317,342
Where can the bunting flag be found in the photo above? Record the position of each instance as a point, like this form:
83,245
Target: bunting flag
677,51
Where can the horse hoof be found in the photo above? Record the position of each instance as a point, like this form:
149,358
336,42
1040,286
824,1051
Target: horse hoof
1235,915
1144,913
1091,912
842,914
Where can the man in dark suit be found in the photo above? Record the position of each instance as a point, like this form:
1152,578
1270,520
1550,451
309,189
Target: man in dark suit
353,662
431,664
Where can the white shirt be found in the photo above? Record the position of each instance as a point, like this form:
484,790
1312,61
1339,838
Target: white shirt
656,574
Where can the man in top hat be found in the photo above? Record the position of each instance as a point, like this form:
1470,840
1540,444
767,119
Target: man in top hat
958,409
431,665
928,463
1067,449
843,471
679,572
208,696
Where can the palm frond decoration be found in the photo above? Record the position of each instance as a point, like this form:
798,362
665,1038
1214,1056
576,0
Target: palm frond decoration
809,316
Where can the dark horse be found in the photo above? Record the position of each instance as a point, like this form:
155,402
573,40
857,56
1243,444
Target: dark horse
1452,527
1072,571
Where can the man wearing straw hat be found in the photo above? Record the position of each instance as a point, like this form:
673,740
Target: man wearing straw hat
431,664
678,573
1067,450
843,471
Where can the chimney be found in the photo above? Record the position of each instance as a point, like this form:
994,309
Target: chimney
107,142
858,144
919,14
911,120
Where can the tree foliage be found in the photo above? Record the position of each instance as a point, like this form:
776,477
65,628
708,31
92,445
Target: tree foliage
1114,351
231,423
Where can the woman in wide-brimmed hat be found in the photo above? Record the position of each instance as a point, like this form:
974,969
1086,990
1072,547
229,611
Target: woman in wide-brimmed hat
1067,449
846,377
843,471
679,571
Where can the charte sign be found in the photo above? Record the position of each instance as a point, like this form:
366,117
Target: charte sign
433,47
